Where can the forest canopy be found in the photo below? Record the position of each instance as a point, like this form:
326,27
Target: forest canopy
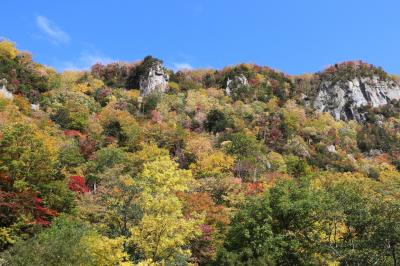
92,173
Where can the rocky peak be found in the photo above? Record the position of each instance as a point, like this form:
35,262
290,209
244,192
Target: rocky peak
344,98
155,81
235,83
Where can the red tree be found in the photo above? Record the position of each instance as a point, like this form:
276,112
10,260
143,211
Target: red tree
77,183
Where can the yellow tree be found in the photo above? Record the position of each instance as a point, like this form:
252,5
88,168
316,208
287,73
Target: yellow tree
8,49
163,233
213,164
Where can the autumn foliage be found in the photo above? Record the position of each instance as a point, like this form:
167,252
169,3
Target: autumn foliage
94,174
77,184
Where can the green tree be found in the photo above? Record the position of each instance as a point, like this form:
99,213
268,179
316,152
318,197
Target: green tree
67,242
216,121
105,158
280,228
250,240
25,155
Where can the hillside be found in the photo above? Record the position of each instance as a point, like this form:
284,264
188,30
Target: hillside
136,164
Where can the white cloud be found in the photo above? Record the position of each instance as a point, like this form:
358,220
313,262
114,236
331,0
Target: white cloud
182,66
53,33
85,62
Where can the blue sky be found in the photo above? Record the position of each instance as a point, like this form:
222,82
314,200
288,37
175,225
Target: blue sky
295,36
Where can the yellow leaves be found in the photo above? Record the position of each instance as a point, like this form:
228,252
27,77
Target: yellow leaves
276,162
110,114
324,259
322,122
96,83
6,237
104,251
132,94
51,143
198,100
294,115
173,86
163,230
89,86
81,87
149,153
272,105
259,77
149,262
70,77
367,187
80,82
127,180
198,144
213,164
23,105
331,230
163,176
389,180
129,125
8,49
3,102
216,93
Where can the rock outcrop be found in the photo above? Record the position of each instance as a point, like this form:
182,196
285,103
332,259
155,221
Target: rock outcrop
235,83
3,90
155,81
343,99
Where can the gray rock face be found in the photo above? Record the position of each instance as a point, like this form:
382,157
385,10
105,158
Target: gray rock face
342,100
5,93
155,81
3,90
235,83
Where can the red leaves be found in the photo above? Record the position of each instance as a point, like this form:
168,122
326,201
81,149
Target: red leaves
77,183
73,133
87,145
5,179
156,117
201,202
255,188
45,211
38,200
254,82
25,202
41,221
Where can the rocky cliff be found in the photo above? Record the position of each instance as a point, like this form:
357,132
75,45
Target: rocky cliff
344,98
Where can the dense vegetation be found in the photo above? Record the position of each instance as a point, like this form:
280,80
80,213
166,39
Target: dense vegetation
192,176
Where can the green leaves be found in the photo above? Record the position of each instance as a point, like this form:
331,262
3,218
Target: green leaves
216,121
67,242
